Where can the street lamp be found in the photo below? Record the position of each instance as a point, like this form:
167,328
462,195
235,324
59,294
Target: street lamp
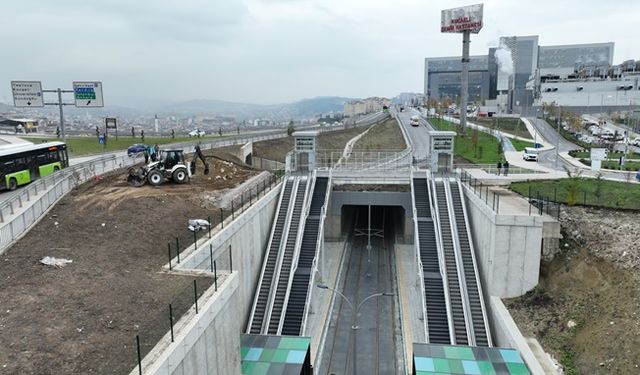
354,317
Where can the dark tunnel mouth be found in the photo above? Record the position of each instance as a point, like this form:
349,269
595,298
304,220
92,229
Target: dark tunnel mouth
394,219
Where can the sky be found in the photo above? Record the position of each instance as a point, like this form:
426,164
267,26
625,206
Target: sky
272,51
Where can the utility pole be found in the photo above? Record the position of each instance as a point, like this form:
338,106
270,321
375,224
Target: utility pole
559,120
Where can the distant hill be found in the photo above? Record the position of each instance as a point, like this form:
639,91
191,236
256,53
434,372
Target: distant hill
305,108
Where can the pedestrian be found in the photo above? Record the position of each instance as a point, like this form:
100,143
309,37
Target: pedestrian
146,156
499,167
152,153
97,132
57,132
173,134
157,149
506,167
133,132
142,135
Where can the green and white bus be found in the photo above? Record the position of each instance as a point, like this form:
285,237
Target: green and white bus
21,164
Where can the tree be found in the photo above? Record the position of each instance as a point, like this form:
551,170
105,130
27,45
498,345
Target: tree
290,128
572,186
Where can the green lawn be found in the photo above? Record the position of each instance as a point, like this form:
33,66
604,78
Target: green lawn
78,146
583,191
476,147
513,126
612,155
520,144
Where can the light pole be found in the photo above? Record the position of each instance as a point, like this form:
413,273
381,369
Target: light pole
354,317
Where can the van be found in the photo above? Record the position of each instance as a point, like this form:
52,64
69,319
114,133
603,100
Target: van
530,154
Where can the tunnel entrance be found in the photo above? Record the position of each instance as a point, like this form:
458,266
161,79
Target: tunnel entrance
355,218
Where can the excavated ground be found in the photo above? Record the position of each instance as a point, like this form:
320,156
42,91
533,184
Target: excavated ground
586,310
83,318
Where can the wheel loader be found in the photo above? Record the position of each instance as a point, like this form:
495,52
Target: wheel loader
171,166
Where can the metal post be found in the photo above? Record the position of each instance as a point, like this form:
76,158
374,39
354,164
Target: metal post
64,133
209,220
230,260
369,243
169,248
195,240
139,355
211,255
233,212
464,80
221,217
178,249
558,137
171,320
195,293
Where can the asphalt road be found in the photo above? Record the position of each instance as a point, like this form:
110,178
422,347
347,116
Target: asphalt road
548,158
418,135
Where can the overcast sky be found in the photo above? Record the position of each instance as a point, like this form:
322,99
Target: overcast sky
271,51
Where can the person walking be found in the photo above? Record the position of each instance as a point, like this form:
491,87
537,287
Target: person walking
499,167
157,149
506,167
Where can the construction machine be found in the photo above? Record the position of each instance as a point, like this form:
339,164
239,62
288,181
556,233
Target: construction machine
169,166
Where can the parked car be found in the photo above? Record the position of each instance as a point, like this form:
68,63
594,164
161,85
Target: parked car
197,133
136,149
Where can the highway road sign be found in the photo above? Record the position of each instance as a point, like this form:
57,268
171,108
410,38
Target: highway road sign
27,93
88,94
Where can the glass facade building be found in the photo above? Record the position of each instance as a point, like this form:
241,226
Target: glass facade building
442,77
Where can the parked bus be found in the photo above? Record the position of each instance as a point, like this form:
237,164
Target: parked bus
19,165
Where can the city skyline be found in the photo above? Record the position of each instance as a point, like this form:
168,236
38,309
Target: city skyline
270,51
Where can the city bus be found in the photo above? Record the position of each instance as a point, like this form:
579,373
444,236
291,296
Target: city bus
21,164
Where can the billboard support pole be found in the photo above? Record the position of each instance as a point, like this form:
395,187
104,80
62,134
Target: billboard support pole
464,80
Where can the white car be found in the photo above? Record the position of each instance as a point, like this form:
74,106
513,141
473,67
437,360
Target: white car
197,133
530,154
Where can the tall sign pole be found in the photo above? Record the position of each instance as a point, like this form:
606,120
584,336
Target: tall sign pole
464,20
60,104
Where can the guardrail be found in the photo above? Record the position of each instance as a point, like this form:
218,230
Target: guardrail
45,192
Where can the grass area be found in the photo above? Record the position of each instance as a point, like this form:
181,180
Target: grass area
520,144
583,191
385,136
612,155
78,146
476,147
513,126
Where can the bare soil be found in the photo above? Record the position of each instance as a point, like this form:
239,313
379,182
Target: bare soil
586,309
83,318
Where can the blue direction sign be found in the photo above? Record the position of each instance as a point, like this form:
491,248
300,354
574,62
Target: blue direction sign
88,94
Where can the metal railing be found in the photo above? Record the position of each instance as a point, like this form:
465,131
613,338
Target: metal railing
493,169
41,195
420,270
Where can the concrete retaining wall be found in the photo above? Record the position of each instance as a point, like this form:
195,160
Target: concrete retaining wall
209,343
507,248
507,335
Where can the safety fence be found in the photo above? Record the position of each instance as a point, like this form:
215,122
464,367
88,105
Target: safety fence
23,210
493,169
217,220
363,160
267,164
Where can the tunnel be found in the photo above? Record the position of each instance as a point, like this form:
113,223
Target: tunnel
386,218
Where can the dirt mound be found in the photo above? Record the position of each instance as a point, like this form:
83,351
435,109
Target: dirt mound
585,311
